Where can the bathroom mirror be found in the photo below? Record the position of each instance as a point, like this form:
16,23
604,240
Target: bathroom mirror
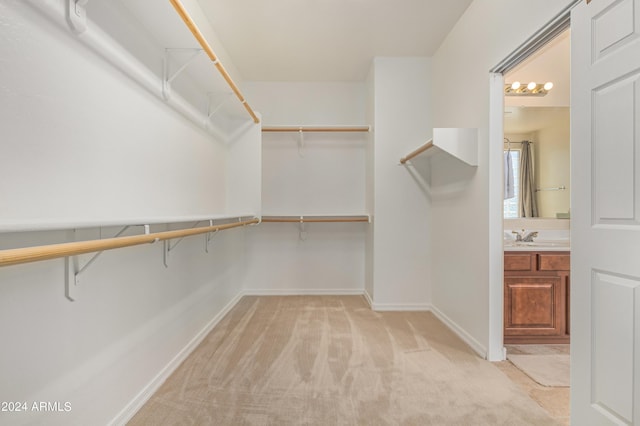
549,130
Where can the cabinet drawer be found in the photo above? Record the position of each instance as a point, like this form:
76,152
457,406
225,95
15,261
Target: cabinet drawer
553,262
517,262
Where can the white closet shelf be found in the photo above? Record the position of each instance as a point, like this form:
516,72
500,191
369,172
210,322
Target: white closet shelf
197,34
335,129
315,218
460,143
49,225
156,44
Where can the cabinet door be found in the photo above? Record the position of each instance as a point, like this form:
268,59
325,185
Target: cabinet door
533,306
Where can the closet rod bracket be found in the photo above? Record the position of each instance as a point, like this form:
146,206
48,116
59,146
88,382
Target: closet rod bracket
168,247
208,237
73,269
301,142
167,75
77,15
303,229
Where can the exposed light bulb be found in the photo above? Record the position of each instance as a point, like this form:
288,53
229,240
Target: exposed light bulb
515,85
531,85
548,85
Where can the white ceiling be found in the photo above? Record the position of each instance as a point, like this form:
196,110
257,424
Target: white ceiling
326,40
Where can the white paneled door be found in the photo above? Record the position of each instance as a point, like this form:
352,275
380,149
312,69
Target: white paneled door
605,184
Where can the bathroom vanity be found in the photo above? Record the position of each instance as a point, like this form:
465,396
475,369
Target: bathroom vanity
536,293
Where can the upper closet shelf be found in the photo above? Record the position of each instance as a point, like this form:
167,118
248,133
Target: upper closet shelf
345,129
166,48
184,15
459,143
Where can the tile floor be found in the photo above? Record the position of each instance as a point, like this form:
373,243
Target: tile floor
555,400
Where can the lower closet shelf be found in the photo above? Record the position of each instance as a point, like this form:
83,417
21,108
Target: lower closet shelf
316,218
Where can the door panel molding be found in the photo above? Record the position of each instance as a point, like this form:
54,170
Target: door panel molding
615,163
615,314
613,28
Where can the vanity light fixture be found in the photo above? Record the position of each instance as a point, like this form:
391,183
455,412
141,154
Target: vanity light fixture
532,89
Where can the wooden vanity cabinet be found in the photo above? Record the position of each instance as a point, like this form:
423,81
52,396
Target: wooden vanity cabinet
536,297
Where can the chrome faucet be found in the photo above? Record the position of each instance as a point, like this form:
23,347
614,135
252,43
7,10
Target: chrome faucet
528,238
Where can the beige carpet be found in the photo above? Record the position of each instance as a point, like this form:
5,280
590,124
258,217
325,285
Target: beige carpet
332,361
548,370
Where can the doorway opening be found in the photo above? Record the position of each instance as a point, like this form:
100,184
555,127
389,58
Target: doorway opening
530,145
536,217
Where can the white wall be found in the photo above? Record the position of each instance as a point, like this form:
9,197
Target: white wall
465,264
244,171
81,142
401,250
324,176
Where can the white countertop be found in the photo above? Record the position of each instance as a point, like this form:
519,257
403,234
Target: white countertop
539,245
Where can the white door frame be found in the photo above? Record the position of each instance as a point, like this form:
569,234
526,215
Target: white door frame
496,350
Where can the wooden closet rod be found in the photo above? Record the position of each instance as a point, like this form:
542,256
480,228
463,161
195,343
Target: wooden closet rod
52,251
347,129
179,7
418,151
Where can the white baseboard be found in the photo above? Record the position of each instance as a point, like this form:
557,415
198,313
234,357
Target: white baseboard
303,292
145,394
477,347
388,307
404,307
369,299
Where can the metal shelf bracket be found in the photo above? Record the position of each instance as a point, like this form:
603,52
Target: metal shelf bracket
303,230
168,246
301,143
208,237
73,269
167,76
77,15
211,112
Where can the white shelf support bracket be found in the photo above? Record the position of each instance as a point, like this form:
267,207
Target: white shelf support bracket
208,237
73,269
303,230
300,143
167,76
168,246
212,112
77,15
70,267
